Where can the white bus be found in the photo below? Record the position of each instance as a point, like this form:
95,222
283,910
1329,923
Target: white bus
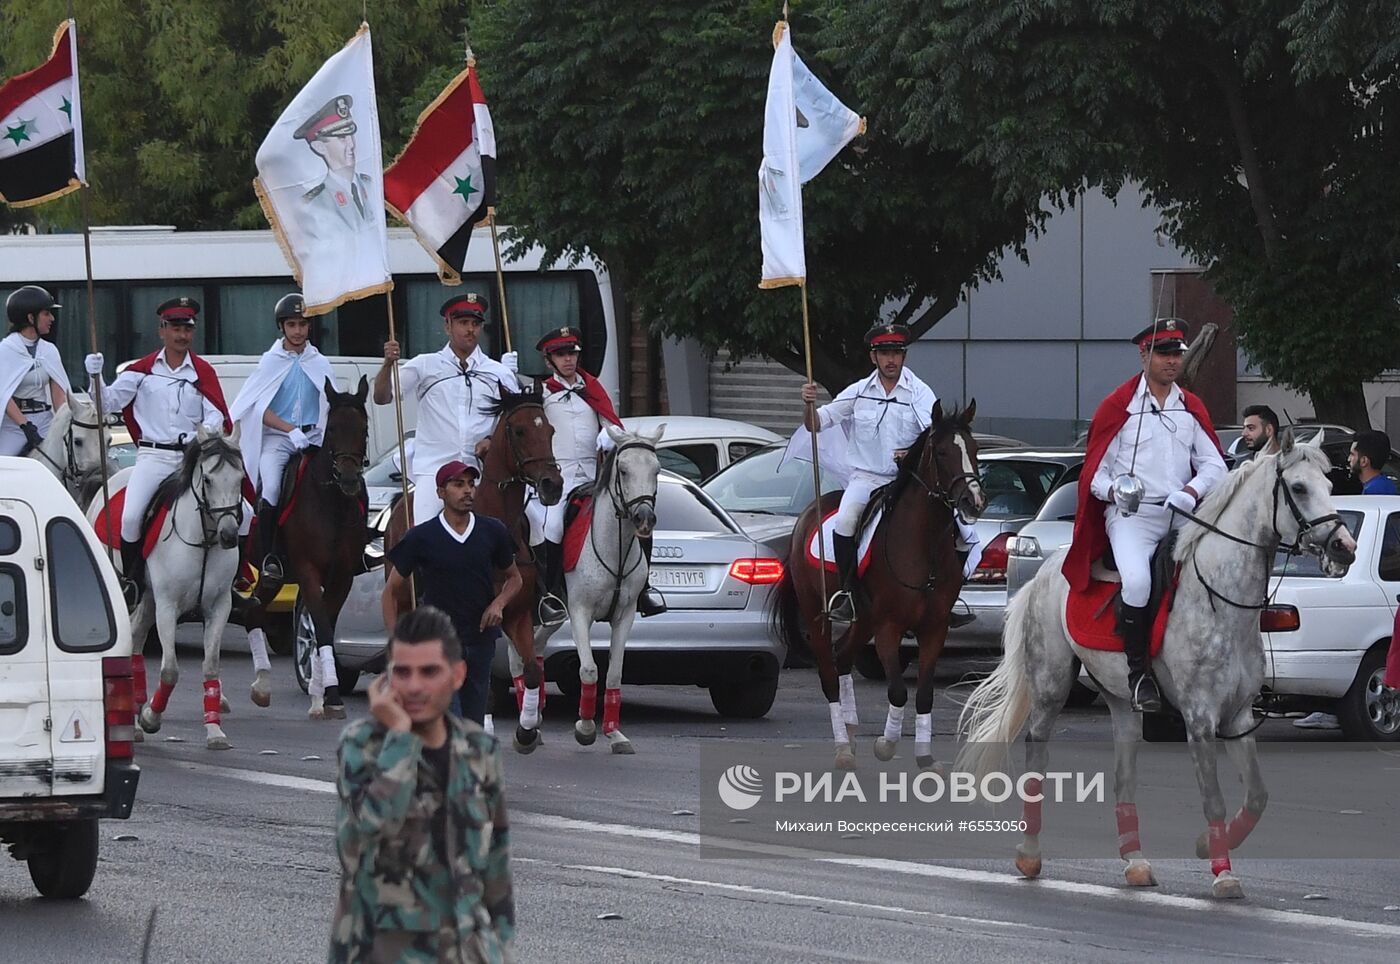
237,277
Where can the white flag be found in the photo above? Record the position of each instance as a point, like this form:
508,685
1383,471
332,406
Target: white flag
804,127
321,182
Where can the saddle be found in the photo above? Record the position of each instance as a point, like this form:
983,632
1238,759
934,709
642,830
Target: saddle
1091,616
870,518
108,524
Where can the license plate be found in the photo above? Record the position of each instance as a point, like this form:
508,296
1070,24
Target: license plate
673,578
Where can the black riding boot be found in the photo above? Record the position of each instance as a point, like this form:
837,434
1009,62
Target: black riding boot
650,602
957,620
1142,687
842,602
550,572
270,567
133,573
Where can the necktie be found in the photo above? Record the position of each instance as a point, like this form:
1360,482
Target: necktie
355,193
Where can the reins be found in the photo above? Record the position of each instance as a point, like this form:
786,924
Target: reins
936,492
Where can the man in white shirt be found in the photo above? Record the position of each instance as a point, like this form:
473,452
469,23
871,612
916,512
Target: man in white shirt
164,397
883,414
281,410
453,387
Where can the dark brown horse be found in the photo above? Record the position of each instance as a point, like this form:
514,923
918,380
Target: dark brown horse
913,580
521,455
323,539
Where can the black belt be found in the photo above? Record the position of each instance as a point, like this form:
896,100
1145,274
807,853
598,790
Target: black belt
163,446
29,406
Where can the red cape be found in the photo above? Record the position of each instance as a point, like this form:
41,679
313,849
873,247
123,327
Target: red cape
594,395
1090,536
206,381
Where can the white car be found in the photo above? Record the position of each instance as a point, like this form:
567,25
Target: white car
67,710
697,447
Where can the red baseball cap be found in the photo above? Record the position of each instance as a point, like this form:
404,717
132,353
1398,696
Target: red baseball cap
453,469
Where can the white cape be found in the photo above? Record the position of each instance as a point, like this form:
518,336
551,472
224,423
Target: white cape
15,361
256,394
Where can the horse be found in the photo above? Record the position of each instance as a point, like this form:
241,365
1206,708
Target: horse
521,454
610,574
72,450
191,567
323,536
1211,664
913,581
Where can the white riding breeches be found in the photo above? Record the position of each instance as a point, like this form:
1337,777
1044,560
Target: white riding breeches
547,521
1133,539
12,440
855,499
153,466
426,504
277,451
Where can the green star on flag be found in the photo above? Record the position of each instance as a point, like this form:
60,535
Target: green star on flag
67,108
21,132
464,188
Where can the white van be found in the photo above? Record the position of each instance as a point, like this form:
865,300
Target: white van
67,710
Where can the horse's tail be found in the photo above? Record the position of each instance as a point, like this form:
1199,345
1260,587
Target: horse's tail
997,709
784,618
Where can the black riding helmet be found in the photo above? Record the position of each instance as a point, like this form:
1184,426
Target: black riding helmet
26,301
289,306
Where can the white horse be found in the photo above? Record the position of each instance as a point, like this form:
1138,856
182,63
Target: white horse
1211,665
191,569
609,576
72,450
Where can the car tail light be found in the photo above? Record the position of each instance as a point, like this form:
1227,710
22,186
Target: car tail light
1023,547
119,704
757,572
1279,619
992,568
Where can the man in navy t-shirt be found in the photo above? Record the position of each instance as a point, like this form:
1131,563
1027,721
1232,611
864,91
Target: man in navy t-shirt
453,560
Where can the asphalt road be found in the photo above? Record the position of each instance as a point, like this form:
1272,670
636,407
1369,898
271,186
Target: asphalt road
234,853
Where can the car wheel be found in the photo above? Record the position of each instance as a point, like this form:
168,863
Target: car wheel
64,868
749,698
1080,696
1366,713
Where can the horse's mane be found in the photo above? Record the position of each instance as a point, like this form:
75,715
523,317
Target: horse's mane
909,465
508,401
610,461
182,479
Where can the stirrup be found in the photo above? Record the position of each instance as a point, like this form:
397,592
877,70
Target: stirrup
1146,697
650,603
271,569
131,593
552,611
957,620
841,606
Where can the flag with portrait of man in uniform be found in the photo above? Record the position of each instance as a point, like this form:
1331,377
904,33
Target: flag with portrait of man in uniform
321,182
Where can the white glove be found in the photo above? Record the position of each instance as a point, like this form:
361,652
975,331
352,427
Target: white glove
605,441
511,360
299,438
1182,500
93,363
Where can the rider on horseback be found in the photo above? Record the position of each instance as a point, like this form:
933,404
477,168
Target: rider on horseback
1151,448
881,416
281,410
453,386
33,384
164,398
578,407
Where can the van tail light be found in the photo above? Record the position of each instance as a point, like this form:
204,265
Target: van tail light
1279,619
119,703
757,572
992,567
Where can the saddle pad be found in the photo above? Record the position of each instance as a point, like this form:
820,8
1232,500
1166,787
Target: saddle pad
291,485
828,531
109,524
576,529
1090,618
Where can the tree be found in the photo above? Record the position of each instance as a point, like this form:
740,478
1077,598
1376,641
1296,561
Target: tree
1257,126
632,130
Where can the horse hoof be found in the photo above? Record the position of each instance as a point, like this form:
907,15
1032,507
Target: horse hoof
1203,845
526,741
138,735
884,749
1138,873
261,695
928,764
619,744
317,710
845,758
585,732
1028,866
218,743
224,705
150,722
1227,887
335,712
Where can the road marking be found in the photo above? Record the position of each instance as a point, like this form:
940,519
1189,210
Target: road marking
547,821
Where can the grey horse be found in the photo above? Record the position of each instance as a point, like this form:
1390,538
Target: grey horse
1211,665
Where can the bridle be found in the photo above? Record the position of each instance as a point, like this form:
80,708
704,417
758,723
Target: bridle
936,492
519,473
210,516
68,474
347,467
622,509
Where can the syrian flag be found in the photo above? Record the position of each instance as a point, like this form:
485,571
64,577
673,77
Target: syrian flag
41,127
444,182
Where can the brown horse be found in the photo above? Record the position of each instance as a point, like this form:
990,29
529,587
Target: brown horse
521,455
913,580
322,542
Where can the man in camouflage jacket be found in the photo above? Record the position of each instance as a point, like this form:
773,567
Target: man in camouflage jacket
422,836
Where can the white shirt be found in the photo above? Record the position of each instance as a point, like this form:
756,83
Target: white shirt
34,384
877,423
167,405
1172,442
576,428
452,399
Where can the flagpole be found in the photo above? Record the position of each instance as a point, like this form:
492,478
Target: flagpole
816,457
500,277
398,415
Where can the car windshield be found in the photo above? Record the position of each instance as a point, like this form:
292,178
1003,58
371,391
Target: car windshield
686,508
1018,487
756,484
1307,565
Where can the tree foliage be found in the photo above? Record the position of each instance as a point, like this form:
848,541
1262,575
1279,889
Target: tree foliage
1257,126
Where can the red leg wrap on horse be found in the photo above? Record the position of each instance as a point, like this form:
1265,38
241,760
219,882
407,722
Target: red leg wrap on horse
519,682
212,696
162,697
138,680
1240,826
1031,809
587,700
612,710
539,661
1128,839
1219,848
